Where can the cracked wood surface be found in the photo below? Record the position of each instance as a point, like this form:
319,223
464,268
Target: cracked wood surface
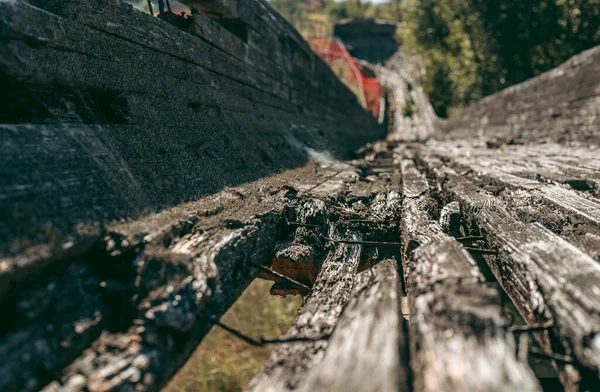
101,293
546,277
368,345
458,335
86,139
149,283
563,200
567,199
289,363
375,202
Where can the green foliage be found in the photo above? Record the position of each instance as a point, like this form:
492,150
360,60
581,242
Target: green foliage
472,48
292,10
408,109
298,12
338,10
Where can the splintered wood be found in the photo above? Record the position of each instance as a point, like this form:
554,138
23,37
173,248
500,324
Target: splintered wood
458,336
454,230
368,345
549,279
463,249
152,173
318,316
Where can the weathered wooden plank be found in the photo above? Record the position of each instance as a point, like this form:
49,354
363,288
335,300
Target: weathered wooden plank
546,277
418,207
181,291
458,336
530,207
525,177
143,116
132,278
374,200
546,162
459,340
125,24
587,208
410,113
210,31
289,363
368,350
165,293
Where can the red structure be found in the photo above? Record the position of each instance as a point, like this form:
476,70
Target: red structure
359,78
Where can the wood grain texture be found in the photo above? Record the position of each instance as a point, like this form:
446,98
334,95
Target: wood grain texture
546,277
290,362
112,115
532,181
410,114
560,105
145,170
587,208
223,115
458,335
368,346
144,290
459,340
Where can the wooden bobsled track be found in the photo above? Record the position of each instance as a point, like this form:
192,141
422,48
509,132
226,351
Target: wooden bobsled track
152,167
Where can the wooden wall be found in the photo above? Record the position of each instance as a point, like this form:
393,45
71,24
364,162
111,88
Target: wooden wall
109,113
561,105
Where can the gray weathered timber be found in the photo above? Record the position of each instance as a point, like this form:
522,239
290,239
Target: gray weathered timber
546,277
199,278
560,105
110,113
139,199
290,362
459,338
375,202
418,207
587,208
144,291
368,349
411,117
576,167
536,191
301,257
458,335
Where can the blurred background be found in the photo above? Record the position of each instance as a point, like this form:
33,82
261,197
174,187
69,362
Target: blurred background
468,48
225,363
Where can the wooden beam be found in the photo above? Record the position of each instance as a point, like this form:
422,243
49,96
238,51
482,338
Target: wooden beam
458,336
587,208
368,349
96,116
546,277
149,281
290,362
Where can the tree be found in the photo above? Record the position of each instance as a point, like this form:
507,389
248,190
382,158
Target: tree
483,46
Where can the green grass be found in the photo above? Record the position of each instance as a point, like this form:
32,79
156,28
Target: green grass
226,364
